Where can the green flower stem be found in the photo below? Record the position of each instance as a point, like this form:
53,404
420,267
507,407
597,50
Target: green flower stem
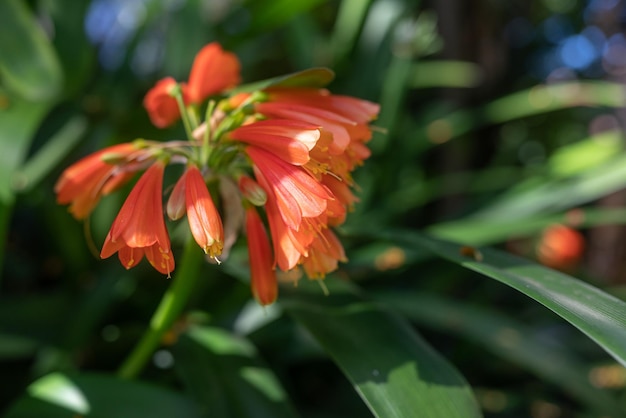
184,114
206,145
167,312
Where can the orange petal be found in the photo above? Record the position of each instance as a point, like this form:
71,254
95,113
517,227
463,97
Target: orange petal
213,71
204,220
263,277
162,107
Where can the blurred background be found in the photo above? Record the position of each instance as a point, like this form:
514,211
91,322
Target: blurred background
501,124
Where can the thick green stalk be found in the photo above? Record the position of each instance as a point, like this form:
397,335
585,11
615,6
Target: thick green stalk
167,312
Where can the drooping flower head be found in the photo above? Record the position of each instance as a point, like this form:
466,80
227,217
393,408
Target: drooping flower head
274,164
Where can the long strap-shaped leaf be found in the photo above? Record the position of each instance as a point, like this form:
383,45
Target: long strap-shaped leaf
505,337
597,314
394,371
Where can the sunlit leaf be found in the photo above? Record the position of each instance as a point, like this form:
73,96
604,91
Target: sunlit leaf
98,396
597,314
585,154
313,77
504,337
445,74
395,372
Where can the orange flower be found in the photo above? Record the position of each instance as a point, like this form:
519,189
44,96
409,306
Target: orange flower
560,247
287,139
296,193
345,117
161,104
214,70
324,254
204,220
291,150
306,172
139,227
262,275
86,181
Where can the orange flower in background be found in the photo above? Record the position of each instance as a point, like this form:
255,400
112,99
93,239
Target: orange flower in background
279,162
560,247
139,228
85,182
262,275
213,71
161,104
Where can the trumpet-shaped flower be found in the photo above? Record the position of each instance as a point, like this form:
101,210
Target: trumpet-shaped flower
289,140
204,219
86,181
296,192
139,228
262,275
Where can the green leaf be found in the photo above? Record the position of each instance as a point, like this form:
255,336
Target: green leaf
227,377
99,396
16,346
597,314
537,100
449,73
18,124
504,337
269,14
394,371
28,63
588,153
47,158
538,194
313,77
19,120
489,231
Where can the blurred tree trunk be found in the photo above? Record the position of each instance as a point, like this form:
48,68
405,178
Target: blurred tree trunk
607,244
470,31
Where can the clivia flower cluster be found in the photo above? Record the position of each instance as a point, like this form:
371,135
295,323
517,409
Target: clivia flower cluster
277,158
